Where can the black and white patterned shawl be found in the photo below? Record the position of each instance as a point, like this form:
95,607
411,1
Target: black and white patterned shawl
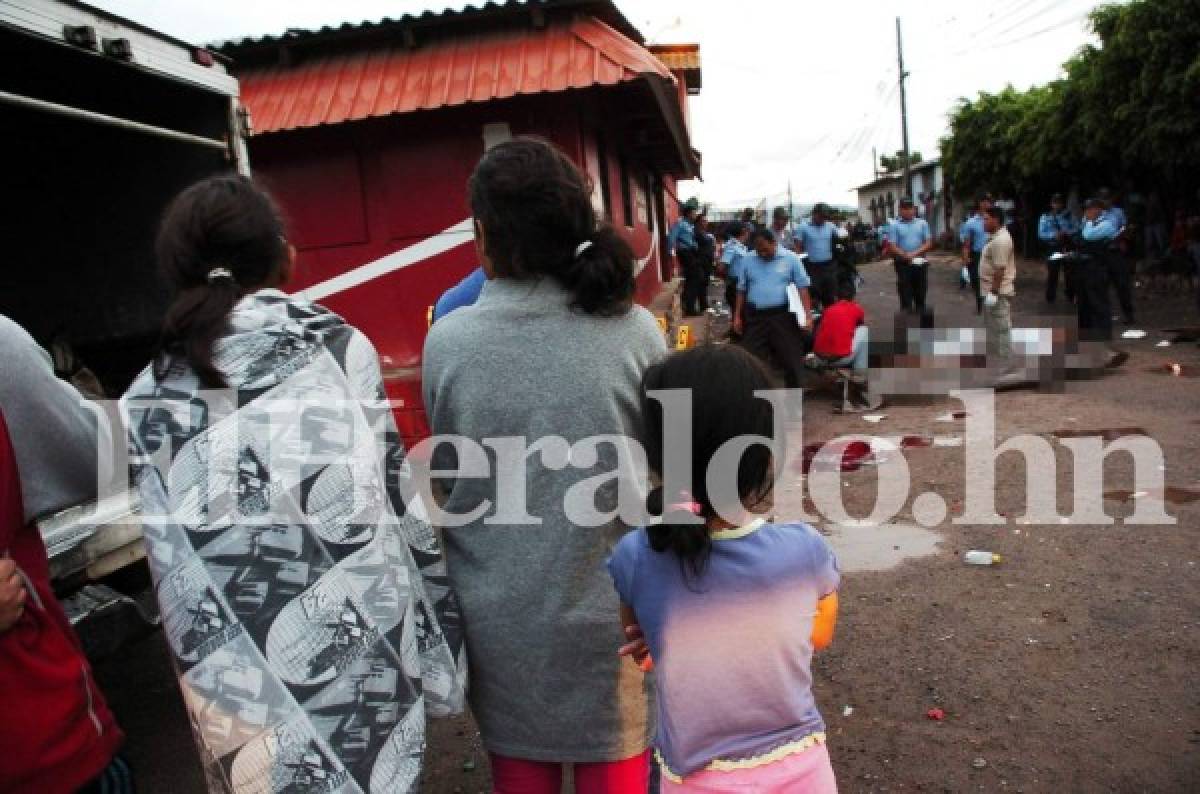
304,598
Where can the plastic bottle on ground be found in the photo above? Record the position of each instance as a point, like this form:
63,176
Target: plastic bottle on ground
977,557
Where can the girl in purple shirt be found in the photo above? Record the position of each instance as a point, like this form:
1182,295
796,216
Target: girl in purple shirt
731,606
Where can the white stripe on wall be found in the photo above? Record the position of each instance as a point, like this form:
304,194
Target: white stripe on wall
458,234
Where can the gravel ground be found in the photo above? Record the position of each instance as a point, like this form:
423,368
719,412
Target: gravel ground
1069,667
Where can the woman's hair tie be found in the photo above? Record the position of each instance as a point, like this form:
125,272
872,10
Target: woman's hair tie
220,274
686,505
579,249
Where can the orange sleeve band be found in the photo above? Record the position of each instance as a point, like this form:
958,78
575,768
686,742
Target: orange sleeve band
825,621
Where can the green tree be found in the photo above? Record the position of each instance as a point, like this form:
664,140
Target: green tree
896,161
1127,111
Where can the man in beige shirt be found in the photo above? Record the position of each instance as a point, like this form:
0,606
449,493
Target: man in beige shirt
997,272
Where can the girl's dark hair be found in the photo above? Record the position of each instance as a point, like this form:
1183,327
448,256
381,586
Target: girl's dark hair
722,380
536,211
223,221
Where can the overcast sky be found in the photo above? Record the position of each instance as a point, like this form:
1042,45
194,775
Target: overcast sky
792,91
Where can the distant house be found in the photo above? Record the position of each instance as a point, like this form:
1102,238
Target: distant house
879,199
929,191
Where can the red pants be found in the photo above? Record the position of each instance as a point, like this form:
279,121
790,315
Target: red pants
515,776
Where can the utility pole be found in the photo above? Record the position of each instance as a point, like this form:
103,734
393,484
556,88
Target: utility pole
903,111
791,218
874,163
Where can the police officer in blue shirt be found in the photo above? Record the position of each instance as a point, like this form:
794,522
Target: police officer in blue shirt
735,248
1056,229
816,238
1096,248
908,239
762,316
1121,271
974,237
683,246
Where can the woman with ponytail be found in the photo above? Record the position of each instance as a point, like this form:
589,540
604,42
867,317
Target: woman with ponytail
554,349
731,606
273,491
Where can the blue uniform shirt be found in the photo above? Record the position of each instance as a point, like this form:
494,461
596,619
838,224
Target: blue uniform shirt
974,232
734,254
765,282
683,235
1117,216
817,240
1050,224
1100,230
464,293
908,235
734,248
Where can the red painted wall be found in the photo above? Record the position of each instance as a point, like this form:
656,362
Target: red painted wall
356,192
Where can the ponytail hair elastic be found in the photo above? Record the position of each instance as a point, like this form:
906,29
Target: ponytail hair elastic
220,274
579,249
685,504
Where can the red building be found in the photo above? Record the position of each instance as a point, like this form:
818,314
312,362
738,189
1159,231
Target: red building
366,134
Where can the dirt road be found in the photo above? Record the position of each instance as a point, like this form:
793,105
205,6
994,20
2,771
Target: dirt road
1072,666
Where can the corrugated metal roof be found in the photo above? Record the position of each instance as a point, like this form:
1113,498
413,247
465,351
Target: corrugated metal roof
604,9
478,67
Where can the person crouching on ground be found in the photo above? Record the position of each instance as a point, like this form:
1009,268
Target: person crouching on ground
997,273
762,315
841,339
731,606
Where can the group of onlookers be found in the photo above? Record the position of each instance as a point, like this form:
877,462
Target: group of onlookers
547,347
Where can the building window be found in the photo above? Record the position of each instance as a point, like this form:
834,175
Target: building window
626,192
602,165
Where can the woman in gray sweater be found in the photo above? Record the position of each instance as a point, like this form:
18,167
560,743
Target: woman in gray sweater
552,353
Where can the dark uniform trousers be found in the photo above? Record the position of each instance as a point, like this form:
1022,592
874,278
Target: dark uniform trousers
824,281
912,282
1065,266
1093,274
973,272
775,332
694,281
1120,274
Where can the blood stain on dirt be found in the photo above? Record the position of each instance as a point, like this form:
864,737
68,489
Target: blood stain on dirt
854,455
